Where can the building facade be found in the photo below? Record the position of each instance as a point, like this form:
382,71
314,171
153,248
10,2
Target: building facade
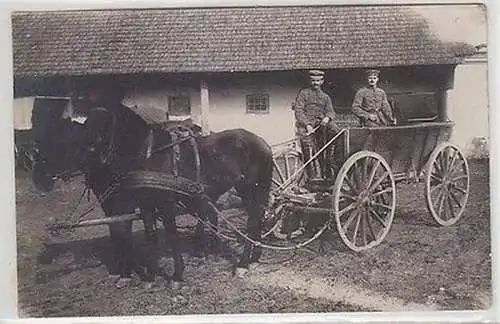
237,67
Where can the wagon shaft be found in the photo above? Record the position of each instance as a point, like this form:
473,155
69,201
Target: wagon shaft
108,220
93,222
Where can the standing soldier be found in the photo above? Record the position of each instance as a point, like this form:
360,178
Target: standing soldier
370,103
313,109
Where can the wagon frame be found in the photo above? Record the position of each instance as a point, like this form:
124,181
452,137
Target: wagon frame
362,200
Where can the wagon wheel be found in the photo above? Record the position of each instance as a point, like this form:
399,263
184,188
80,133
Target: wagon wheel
284,166
25,157
446,184
28,158
364,200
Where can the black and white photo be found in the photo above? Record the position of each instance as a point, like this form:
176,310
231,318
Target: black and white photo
271,159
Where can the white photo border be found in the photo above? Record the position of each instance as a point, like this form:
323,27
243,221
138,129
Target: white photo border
8,246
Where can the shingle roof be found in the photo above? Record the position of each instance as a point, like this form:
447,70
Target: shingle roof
224,39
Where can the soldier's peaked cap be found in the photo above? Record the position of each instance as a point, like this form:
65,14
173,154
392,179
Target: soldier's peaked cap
372,72
316,73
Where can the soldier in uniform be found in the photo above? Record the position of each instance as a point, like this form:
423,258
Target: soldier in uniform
370,103
314,108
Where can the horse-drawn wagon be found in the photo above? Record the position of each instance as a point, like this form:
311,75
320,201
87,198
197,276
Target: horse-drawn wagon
165,167
361,202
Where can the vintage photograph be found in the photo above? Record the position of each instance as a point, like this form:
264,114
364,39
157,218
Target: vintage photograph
252,160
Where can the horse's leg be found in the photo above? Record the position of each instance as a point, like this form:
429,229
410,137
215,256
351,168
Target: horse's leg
151,241
200,237
254,206
168,217
121,237
206,212
213,217
256,214
255,195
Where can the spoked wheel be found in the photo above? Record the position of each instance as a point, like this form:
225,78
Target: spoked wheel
25,157
273,223
364,200
446,184
285,165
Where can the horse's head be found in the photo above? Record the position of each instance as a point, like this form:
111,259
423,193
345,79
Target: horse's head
118,138
101,128
58,141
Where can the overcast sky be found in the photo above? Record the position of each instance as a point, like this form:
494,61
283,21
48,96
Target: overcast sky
465,23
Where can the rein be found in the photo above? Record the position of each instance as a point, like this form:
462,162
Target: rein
254,242
109,154
167,146
293,140
66,175
174,145
107,157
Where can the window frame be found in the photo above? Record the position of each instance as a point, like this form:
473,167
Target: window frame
172,97
250,102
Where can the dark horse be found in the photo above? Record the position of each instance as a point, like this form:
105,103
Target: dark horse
61,145
118,141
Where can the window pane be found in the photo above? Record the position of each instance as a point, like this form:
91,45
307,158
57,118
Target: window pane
258,102
179,105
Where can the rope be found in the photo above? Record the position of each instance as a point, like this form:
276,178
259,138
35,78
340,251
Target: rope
167,146
263,245
289,181
296,138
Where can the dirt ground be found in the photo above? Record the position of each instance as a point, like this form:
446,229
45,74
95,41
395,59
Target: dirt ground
419,266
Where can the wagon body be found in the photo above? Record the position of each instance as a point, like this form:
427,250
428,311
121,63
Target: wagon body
405,148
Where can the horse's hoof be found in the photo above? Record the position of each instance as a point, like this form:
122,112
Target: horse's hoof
198,254
163,262
148,285
123,282
241,272
176,285
214,258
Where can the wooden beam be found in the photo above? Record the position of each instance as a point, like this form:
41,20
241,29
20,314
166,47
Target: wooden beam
442,102
205,108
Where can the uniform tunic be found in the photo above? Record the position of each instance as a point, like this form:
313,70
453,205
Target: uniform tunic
372,102
311,106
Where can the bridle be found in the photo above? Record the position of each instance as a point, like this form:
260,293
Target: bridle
109,150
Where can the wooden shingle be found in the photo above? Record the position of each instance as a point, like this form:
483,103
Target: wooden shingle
224,39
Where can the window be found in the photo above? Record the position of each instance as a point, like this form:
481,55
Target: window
179,105
258,103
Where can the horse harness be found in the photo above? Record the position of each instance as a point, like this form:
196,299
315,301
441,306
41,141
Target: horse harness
162,180
178,135
170,182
